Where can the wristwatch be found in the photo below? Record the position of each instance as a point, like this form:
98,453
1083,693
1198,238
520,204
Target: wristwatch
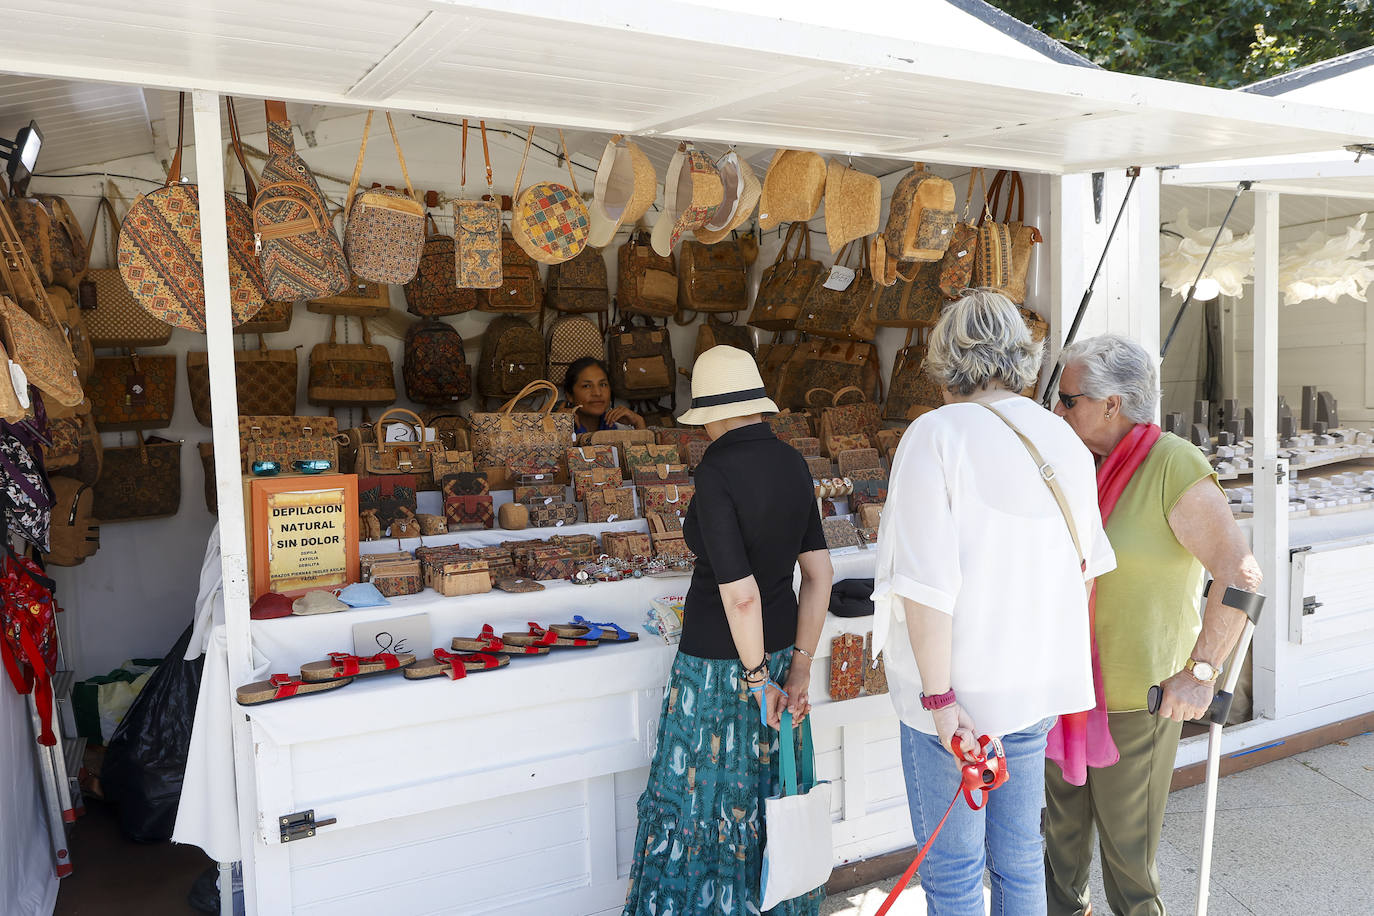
1205,672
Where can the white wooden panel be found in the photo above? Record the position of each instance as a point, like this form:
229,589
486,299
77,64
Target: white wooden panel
1339,580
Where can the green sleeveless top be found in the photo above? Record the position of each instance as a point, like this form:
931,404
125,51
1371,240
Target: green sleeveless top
1147,608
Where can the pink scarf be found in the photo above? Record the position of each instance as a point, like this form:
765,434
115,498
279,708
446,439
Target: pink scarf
1082,739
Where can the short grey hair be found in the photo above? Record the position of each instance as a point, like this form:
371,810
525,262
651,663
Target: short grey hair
1111,364
979,340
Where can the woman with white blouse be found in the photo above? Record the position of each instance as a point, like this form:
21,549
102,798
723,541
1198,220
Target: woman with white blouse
981,601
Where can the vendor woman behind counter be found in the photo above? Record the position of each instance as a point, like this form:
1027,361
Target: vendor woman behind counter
588,388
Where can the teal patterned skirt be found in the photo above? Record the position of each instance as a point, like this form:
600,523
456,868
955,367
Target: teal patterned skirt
699,849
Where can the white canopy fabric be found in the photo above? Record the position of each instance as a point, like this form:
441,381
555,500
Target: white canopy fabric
861,84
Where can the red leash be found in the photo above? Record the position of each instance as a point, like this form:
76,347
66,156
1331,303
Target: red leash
982,775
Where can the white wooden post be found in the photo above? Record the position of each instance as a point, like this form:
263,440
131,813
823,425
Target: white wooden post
1272,698
209,147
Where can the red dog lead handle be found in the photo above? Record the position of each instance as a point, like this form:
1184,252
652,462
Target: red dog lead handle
983,775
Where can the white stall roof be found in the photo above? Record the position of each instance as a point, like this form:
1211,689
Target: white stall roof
1346,82
880,79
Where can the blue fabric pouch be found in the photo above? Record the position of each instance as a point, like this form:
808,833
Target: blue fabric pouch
362,594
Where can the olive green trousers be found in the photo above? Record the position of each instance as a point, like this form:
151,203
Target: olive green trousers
1124,805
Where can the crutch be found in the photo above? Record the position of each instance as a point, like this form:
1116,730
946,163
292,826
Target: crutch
1250,604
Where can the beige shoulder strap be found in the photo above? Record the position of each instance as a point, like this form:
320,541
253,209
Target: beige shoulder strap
1047,475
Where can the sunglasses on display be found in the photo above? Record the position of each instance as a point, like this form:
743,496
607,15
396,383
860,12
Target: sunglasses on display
1068,399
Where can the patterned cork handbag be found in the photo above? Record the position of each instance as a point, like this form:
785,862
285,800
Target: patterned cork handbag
786,283
32,329
265,380
298,251
140,481
911,392
434,292
509,436
350,375
133,392
711,278
1006,248
160,250
477,227
550,221
845,313
384,230
112,315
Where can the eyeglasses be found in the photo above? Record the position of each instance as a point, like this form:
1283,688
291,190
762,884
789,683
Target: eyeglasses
1068,399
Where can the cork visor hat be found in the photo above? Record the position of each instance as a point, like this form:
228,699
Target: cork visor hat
853,203
792,188
725,384
742,190
692,193
626,186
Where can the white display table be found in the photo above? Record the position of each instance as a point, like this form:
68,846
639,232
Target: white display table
511,790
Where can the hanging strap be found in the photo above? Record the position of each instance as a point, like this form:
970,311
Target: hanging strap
519,176
529,141
358,166
463,166
1048,476
968,195
400,156
174,171
249,188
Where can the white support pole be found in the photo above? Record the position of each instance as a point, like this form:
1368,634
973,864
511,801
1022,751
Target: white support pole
209,148
1271,699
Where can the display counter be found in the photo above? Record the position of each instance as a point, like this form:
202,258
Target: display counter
511,790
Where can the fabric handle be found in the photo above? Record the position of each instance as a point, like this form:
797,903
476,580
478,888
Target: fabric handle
788,762
1047,474
174,171
250,189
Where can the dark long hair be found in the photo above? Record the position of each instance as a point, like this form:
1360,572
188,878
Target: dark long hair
577,368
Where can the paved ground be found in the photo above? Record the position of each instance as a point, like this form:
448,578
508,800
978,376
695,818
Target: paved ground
1295,836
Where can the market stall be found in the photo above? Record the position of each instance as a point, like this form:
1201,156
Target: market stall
1311,526
520,784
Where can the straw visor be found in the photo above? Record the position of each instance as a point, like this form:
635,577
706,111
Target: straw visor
742,190
626,186
725,384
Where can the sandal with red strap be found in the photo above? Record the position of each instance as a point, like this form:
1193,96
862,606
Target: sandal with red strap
488,641
284,687
538,636
343,664
456,666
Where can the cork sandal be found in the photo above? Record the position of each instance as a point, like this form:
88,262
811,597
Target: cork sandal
342,664
455,666
538,636
587,629
284,687
488,641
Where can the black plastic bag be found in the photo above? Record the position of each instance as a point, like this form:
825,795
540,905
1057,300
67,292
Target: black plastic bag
146,759
852,598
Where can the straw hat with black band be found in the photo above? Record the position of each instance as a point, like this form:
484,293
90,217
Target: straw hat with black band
726,384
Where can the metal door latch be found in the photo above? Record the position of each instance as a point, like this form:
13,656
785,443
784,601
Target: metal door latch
1310,605
301,825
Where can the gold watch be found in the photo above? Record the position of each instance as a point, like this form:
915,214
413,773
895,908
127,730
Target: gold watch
1205,672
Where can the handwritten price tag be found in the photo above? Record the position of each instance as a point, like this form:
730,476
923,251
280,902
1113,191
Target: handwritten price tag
399,634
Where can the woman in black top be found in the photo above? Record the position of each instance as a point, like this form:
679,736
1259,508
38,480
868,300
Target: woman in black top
745,632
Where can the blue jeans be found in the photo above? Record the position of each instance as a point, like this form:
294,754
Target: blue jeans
1004,837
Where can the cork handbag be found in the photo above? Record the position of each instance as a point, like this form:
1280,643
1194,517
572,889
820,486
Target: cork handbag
434,292
379,457
919,222
580,285
843,313
509,436
298,252
856,418
287,440
838,364
34,226
160,250
139,481
69,255
133,392
646,282
384,230
476,227
550,221
520,291
786,283
917,298
265,380
1006,248
112,315
360,298
350,375
711,278
911,392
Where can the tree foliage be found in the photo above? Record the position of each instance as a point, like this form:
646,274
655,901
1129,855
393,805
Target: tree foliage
1224,43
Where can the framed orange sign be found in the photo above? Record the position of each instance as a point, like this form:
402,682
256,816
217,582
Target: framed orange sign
305,532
